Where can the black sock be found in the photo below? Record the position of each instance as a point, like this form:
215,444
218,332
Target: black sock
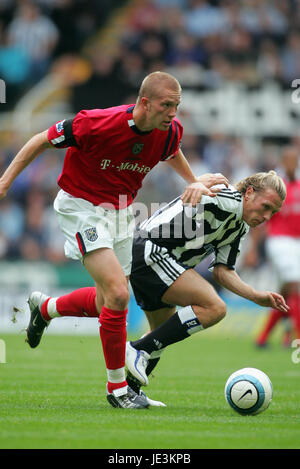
170,332
151,365
134,383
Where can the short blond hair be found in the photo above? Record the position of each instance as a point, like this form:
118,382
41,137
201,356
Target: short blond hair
153,82
262,181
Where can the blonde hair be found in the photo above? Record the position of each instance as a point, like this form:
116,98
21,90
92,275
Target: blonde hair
152,83
262,181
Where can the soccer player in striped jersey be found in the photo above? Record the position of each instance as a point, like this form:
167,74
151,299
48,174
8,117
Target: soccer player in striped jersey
172,242
109,152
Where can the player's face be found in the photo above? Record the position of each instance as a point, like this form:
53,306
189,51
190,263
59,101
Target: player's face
163,108
260,206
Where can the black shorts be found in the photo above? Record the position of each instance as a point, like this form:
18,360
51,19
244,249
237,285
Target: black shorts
153,271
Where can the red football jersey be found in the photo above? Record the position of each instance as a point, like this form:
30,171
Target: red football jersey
287,221
108,156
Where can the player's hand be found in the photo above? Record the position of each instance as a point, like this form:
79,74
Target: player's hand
193,193
272,300
213,179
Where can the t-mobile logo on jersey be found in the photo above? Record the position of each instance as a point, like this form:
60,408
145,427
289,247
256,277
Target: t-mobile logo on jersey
105,164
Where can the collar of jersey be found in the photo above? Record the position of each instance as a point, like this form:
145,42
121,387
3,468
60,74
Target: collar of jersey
241,210
132,124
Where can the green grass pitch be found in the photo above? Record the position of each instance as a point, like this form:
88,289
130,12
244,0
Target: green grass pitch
54,397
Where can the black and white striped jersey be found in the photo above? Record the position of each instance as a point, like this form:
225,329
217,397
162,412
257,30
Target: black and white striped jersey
192,233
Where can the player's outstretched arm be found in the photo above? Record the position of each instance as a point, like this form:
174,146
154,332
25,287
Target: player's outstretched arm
230,280
272,300
198,186
26,155
180,164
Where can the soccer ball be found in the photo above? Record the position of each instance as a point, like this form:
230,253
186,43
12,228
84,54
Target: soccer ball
248,391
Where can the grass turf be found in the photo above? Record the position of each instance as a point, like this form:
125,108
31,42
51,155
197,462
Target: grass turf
54,397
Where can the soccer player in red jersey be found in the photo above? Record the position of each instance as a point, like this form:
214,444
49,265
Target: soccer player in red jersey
283,248
110,151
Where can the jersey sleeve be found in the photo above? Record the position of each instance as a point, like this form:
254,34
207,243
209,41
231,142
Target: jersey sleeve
173,140
60,135
70,132
229,253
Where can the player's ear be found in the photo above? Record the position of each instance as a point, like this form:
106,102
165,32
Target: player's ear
249,191
145,103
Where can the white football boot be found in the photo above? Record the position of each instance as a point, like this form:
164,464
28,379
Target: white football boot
137,362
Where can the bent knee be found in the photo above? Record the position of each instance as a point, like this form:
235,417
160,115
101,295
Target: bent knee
219,311
216,313
222,310
117,296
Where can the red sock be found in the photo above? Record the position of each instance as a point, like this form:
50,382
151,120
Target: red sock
273,318
44,310
112,386
79,303
113,337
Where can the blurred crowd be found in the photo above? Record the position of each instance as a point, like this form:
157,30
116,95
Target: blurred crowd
33,33
203,43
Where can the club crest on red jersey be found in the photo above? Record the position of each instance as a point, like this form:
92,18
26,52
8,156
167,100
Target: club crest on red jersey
60,126
91,234
137,148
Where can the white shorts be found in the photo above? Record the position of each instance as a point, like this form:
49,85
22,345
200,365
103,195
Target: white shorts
284,254
87,227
